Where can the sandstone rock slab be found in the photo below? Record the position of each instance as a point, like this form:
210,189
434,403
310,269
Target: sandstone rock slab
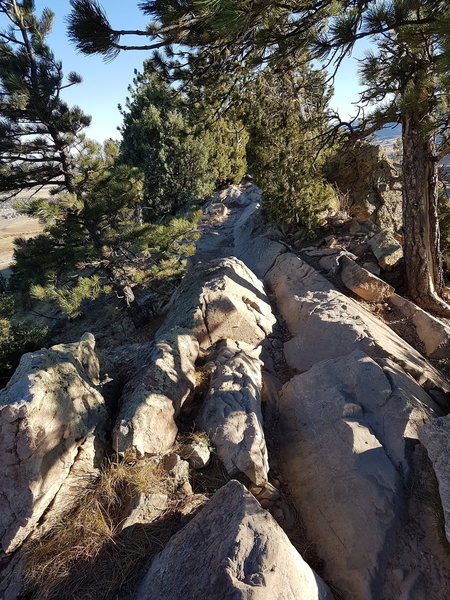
150,400
221,299
231,549
197,454
231,413
347,429
326,324
50,412
363,283
435,436
147,508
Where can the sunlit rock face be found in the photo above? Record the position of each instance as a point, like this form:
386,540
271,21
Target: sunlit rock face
52,419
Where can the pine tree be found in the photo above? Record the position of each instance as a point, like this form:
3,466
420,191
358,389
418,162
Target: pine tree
16,338
37,128
159,139
183,147
408,77
285,114
92,242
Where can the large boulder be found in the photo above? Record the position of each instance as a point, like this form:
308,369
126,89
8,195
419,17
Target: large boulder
367,178
347,430
231,413
150,400
52,420
231,549
221,299
326,324
435,436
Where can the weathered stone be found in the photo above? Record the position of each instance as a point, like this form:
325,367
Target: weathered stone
197,454
177,468
433,332
347,427
50,414
231,549
362,283
239,195
145,423
217,209
255,250
331,262
366,176
326,324
221,300
358,226
435,436
387,250
265,492
147,508
231,413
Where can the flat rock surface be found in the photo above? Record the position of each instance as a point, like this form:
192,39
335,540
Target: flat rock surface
326,324
221,299
347,428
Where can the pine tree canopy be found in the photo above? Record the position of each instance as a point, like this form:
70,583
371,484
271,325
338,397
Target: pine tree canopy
93,241
37,128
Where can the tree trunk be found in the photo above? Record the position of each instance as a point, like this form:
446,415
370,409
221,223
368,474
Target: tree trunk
420,219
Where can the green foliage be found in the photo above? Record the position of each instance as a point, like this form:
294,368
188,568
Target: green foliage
226,140
16,338
38,129
285,116
70,298
93,241
183,149
159,139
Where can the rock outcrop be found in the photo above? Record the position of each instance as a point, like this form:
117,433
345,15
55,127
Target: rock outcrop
347,430
386,249
255,249
231,413
145,423
367,177
434,333
326,324
231,549
52,419
221,299
217,300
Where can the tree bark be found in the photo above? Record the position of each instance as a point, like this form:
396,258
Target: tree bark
422,253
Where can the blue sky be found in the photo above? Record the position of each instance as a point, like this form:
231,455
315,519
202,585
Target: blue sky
104,85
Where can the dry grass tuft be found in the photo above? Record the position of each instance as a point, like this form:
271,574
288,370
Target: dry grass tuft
87,539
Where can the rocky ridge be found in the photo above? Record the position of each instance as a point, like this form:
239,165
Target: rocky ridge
313,404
